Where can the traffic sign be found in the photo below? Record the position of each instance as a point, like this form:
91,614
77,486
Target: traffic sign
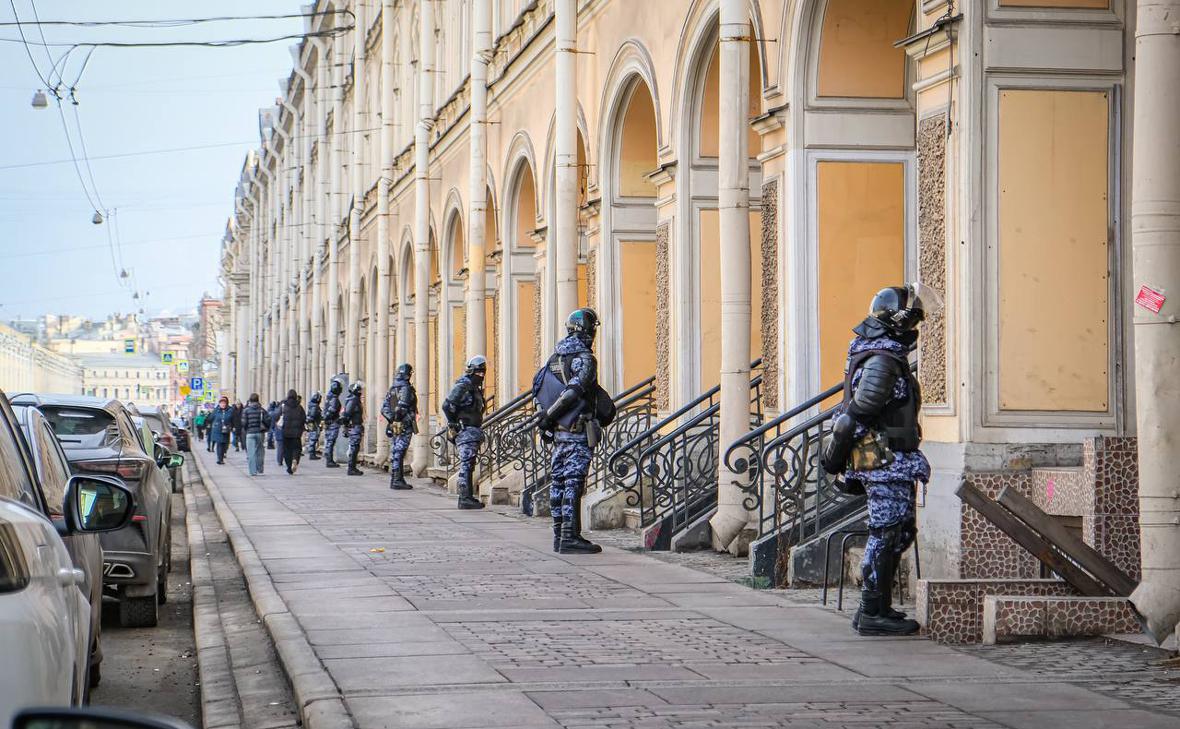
167,357
181,366
184,391
208,396
197,384
129,346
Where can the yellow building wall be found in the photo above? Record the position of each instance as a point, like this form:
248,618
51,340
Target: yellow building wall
526,215
1053,256
458,341
526,332
637,289
637,158
856,53
710,130
861,225
490,338
583,290
1089,4
710,283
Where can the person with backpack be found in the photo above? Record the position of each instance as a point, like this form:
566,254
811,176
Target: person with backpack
315,416
464,408
400,409
293,421
274,437
875,445
256,423
199,422
572,411
332,422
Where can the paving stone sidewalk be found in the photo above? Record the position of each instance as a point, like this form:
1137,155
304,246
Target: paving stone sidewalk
425,616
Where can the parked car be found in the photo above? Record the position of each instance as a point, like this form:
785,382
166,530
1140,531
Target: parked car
53,472
44,615
158,419
92,718
99,436
183,442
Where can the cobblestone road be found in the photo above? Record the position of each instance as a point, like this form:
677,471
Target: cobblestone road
425,616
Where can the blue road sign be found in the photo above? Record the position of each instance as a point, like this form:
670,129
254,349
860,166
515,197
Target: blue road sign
196,384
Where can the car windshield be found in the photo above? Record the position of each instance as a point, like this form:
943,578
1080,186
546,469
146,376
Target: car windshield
80,427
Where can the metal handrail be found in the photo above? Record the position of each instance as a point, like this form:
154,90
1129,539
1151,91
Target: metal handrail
774,424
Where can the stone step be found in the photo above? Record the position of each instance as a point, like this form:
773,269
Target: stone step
951,611
632,519
1008,618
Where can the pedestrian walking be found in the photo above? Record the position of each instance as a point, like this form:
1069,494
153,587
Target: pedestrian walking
401,410
220,425
236,426
573,411
255,422
294,420
352,417
315,416
199,422
332,421
875,445
275,436
464,408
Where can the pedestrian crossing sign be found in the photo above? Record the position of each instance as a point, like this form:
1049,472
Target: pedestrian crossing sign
167,357
182,366
208,396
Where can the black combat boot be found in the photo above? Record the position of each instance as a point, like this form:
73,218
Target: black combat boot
466,500
330,458
397,480
584,546
572,542
873,618
886,608
352,469
557,533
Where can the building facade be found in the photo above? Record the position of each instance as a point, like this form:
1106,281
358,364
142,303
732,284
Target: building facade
725,181
26,366
130,378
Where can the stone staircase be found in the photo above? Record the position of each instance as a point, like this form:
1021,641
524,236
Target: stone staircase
1002,593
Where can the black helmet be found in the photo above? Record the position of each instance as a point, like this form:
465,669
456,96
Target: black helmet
336,387
316,396
356,387
583,322
405,370
477,365
899,309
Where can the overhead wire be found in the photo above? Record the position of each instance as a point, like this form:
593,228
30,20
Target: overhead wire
230,43
177,22
25,41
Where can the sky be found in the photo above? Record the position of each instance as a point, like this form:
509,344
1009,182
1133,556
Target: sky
171,207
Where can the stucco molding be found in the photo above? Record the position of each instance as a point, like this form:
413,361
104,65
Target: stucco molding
663,317
770,298
932,256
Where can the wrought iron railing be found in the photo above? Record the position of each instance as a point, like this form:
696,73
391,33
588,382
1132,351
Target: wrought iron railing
445,453
669,471
635,408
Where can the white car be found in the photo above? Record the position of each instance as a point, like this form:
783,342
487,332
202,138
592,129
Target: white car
44,614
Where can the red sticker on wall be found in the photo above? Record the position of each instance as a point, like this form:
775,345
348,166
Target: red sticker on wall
1150,299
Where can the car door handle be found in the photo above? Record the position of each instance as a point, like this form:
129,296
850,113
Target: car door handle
68,577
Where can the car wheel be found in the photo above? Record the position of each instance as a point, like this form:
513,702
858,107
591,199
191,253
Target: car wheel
138,612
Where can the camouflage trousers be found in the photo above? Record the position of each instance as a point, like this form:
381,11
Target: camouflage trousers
313,440
467,443
398,445
331,433
892,527
568,469
356,434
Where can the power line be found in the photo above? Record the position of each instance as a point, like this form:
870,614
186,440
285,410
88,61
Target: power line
174,22
25,41
231,43
128,244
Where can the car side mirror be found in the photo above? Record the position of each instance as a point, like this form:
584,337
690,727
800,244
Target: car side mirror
176,460
92,718
96,503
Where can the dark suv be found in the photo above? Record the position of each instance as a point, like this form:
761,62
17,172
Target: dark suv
98,436
158,419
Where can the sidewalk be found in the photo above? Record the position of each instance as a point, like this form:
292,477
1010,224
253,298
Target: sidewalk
424,616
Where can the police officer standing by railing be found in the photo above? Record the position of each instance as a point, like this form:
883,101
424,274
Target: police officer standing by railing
332,422
464,410
572,411
401,410
352,416
875,445
315,416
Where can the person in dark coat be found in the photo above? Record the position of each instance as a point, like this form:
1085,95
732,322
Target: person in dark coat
220,423
256,422
294,421
236,434
274,438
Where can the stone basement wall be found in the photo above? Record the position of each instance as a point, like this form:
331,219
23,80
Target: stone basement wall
951,611
1006,619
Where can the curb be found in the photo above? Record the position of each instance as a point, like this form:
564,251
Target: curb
219,700
319,701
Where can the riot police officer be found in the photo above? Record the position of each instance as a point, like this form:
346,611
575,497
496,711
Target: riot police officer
568,395
875,443
315,416
353,418
464,410
401,410
332,422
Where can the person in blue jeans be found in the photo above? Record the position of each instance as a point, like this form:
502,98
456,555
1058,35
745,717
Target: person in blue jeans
255,422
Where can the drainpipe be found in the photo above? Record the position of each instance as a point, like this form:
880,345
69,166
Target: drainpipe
565,238
421,442
292,150
336,195
734,212
477,194
306,352
282,254
381,315
322,194
255,310
1155,240
352,362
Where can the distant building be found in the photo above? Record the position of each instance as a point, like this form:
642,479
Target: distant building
26,366
134,378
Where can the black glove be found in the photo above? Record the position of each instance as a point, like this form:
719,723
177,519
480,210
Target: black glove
546,423
547,436
453,430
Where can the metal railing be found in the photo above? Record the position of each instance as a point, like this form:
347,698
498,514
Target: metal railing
672,474
445,453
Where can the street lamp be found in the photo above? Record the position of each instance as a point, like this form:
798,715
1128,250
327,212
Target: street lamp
97,219
40,100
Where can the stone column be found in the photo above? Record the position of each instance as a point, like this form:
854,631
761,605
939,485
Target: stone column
733,208
381,315
336,197
565,233
421,443
323,155
1155,240
477,195
352,360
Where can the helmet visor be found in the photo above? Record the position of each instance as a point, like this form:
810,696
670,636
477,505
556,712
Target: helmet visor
925,298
